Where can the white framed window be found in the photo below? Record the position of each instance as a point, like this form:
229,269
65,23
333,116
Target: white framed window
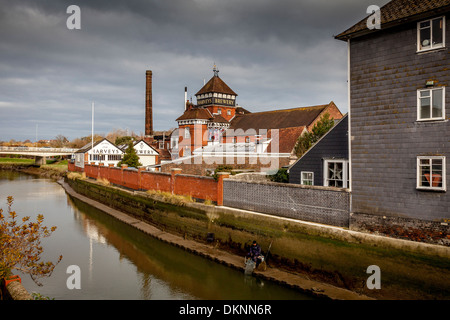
431,173
431,104
229,112
335,173
97,157
307,178
187,134
114,157
431,34
219,111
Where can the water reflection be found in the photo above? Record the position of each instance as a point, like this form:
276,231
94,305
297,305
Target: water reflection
120,262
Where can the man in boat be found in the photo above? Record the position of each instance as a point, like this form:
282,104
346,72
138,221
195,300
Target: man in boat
255,253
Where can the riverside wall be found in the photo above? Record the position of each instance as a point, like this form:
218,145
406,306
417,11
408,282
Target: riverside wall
325,205
198,187
327,254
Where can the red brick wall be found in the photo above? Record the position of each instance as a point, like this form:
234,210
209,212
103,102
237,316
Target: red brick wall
115,175
130,179
332,110
204,188
155,181
224,109
73,168
196,187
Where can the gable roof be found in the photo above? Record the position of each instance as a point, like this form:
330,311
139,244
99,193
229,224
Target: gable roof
277,119
240,110
336,125
88,146
125,146
287,139
215,84
219,119
195,113
397,12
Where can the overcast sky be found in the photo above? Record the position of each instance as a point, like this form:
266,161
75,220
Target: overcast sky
275,54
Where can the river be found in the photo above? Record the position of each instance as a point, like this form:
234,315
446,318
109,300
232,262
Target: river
117,261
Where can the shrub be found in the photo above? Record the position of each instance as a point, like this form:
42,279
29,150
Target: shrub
20,245
282,175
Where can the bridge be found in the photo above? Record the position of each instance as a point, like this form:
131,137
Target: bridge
40,153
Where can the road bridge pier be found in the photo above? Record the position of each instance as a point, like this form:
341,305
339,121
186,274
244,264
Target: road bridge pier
40,160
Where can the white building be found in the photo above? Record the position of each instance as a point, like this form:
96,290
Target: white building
148,155
103,151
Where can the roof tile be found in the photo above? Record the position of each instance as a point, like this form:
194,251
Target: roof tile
215,84
396,12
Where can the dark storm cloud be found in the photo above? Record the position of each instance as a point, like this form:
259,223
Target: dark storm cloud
274,54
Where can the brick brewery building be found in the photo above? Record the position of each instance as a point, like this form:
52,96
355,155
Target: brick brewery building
217,128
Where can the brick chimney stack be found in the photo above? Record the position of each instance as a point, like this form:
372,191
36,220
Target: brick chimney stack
148,104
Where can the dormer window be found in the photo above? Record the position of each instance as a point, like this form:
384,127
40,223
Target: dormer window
219,111
431,34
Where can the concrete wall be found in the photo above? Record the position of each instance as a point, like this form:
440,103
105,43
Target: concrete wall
315,204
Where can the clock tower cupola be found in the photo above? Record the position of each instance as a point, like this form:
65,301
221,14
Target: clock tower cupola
217,97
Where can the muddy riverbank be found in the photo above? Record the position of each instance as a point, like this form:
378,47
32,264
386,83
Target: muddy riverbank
317,255
211,251
42,171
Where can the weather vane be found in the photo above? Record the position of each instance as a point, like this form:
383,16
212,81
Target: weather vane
216,71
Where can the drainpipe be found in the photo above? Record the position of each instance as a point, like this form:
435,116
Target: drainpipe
350,176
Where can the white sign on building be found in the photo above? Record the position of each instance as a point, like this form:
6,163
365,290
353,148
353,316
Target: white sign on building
103,152
147,154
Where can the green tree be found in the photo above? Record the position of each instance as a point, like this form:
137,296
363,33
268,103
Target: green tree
123,140
282,176
308,139
222,168
130,157
20,245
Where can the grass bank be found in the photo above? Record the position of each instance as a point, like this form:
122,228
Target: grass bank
52,169
336,258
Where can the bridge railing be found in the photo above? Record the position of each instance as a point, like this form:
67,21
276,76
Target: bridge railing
37,149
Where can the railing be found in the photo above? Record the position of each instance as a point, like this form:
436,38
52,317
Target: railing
37,149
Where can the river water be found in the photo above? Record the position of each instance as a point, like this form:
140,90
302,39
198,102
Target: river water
117,261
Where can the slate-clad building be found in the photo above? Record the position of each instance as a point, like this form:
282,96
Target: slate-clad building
326,162
399,112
